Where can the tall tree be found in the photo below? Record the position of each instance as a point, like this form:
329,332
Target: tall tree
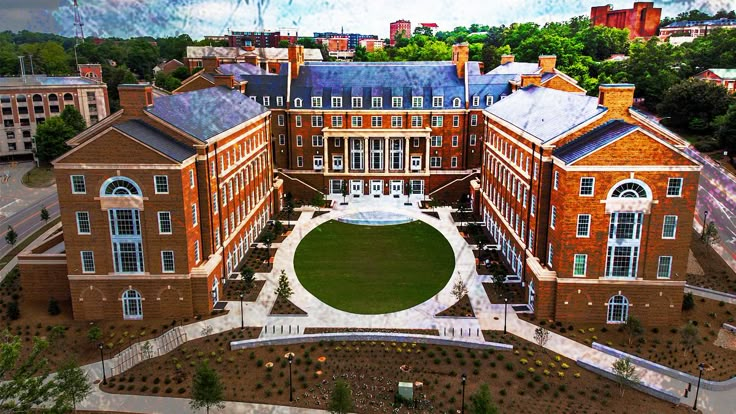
207,390
481,403
726,132
71,385
73,119
694,104
142,57
51,137
25,375
341,401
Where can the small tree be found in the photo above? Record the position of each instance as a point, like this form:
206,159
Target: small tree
72,385
288,207
11,236
541,336
53,308
688,301
13,311
278,228
689,336
625,372
248,277
284,289
207,390
434,203
267,239
94,334
481,403
710,234
459,290
44,215
633,328
409,191
344,190
341,401
318,200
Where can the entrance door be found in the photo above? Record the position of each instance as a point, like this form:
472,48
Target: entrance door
376,187
356,187
397,187
531,295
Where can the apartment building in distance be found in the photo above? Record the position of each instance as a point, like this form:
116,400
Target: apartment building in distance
260,39
267,58
159,202
591,202
642,20
692,29
402,27
27,101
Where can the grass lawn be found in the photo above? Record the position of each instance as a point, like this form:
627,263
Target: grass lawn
374,269
39,177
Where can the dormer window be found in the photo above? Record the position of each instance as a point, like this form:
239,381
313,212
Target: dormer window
316,102
337,102
298,103
456,103
476,100
437,102
357,102
417,101
376,102
489,100
397,102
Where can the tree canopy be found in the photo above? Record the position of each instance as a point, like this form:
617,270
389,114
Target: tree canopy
51,137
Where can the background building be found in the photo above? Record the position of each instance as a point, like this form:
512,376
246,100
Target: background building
265,57
642,20
397,27
353,38
693,29
723,77
371,45
27,101
262,39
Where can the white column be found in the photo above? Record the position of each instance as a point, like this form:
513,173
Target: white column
346,159
386,145
367,155
406,155
326,157
426,153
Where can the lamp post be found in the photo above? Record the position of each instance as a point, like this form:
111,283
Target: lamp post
463,378
102,359
705,224
701,367
291,359
242,322
505,307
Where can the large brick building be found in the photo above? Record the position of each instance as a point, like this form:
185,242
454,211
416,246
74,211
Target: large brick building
642,20
27,101
399,27
591,204
159,202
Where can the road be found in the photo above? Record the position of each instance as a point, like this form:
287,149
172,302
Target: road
717,195
28,220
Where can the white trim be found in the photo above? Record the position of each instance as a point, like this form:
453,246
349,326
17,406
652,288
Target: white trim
166,177
585,265
580,191
173,262
81,255
674,229
669,268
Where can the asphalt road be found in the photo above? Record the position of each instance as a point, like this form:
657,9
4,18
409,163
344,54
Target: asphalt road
28,220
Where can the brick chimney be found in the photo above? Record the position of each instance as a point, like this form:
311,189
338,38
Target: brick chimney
210,63
296,59
618,98
531,79
507,59
460,55
547,63
225,80
134,98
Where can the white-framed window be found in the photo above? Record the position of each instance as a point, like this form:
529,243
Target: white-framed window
196,251
316,102
416,142
533,205
580,265
337,121
215,207
376,121
669,227
298,103
664,267
282,139
317,121
213,168
299,141
337,102
438,101
437,120
417,101
550,255
280,119
476,100
161,182
318,162
435,140
279,101
127,246
224,195
416,121
489,100
337,162
435,162
473,120
556,180
376,102
622,261
298,120
536,171
317,141
453,162
587,186
83,225
396,121
473,139
167,261
583,228
217,237
357,102
88,261
78,184
456,102
266,101
454,140
674,187
300,161
553,219
194,214
397,102
531,239
618,309
164,222
338,143
132,305
356,121
455,121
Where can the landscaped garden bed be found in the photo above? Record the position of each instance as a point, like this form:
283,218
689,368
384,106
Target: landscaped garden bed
497,292
319,213
233,288
257,259
284,218
664,345
373,370
717,275
432,214
283,306
432,332
461,308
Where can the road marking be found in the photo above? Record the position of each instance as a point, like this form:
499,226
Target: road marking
26,219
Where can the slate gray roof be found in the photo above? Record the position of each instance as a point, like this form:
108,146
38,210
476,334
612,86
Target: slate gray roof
260,82
593,140
156,139
223,52
516,68
206,112
544,112
238,69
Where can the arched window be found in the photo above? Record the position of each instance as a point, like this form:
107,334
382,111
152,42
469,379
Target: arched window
456,103
132,305
53,97
20,98
120,186
297,103
630,189
68,97
618,309
37,98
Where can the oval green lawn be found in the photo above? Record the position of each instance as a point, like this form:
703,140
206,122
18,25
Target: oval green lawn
374,269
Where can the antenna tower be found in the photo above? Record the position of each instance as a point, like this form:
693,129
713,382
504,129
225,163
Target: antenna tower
78,24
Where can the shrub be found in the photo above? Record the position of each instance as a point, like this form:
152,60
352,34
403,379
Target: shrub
688,301
520,374
54,308
13,311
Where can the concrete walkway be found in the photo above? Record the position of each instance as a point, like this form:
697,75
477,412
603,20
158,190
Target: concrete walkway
488,317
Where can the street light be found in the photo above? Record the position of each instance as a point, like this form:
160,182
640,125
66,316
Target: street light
505,307
102,359
242,322
291,359
463,378
705,224
701,367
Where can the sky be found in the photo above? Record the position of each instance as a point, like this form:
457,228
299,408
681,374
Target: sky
159,18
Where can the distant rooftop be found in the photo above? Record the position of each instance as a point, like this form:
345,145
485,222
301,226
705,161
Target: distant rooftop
266,53
691,23
43,80
724,73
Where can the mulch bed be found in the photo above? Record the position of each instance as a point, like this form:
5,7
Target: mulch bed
433,332
460,308
718,275
373,369
255,259
284,306
513,291
319,213
663,345
282,217
234,287
432,214
464,218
